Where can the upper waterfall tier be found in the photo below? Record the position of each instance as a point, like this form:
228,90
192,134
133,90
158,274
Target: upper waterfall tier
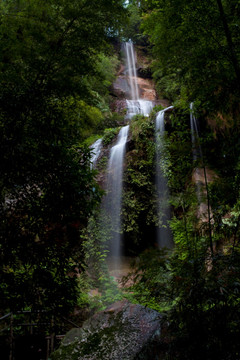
140,106
135,105
131,71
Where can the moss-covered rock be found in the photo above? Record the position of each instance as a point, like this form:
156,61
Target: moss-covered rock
123,331
139,209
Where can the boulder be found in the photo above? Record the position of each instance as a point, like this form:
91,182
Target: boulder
124,331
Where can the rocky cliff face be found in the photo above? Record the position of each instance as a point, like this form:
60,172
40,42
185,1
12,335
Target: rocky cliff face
121,91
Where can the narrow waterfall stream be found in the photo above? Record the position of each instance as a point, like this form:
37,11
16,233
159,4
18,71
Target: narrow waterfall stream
131,69
135,105
96,150
114,193
164,237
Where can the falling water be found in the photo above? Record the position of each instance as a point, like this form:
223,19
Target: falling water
131,70
114,192
96,150
164,234
135,105
113,199
140,106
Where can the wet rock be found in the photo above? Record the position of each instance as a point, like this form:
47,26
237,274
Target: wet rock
120,87
124,331
119,106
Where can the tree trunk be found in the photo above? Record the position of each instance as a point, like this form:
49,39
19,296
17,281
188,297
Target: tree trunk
229,40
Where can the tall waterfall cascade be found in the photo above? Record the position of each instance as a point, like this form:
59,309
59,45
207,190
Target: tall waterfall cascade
164,237
135,105
114,191
114,185
131,70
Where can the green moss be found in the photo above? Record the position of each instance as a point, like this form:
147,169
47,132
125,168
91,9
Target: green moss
102,163
66,352
109,135
91,139
139,200
89,341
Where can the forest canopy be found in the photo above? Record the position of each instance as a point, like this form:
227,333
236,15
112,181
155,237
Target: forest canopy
54,84
196,44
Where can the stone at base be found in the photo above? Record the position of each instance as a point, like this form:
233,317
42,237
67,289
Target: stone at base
124,331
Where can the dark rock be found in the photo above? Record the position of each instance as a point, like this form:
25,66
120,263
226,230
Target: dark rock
144,72
124,331
120,87
119,106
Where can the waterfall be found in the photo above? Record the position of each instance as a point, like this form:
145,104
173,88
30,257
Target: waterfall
114,185
95,150
135,105
131,70
164,237
114,192
139,106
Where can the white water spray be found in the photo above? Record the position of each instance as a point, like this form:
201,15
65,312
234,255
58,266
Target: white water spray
135,105
96,150
113,199
164,237
131,70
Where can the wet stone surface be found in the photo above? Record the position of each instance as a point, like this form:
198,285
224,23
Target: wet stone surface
124,331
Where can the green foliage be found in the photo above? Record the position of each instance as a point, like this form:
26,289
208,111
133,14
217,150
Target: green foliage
149,277
195,45
155,110
177,152
99,82
204,322
54,71
106,67
97,278
40,234
167,85
198,290
138,196
109,135
199,300
91,139
132,30
111,120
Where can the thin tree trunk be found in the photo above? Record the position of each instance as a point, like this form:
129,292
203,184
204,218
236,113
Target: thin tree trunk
228,35
209,212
